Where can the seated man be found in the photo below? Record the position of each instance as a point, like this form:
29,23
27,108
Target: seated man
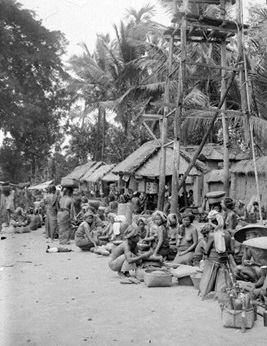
20,221
249,270
125,256
86,234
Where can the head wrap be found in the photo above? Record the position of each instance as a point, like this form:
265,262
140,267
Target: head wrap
188,214
229,203
212,214
161,214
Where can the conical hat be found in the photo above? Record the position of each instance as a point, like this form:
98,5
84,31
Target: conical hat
240,235
259,243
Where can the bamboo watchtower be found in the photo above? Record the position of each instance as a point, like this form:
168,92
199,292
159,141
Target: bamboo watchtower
187,27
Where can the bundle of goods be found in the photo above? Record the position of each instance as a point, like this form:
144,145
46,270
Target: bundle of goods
69,182
215,196
157,278
183,274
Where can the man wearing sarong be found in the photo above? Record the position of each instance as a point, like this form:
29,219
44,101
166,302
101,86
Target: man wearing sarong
52,206
65,215
124,257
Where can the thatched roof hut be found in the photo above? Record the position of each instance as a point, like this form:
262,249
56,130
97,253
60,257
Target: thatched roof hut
79,171
151,168
99,173
91,170
247,166
137,158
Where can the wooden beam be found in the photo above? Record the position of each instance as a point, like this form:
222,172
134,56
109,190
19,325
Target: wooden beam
209,129
217,67
150,132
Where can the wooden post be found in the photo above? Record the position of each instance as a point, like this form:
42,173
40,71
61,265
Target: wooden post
177,120
242,82
226,179
204,139
164,128
252,138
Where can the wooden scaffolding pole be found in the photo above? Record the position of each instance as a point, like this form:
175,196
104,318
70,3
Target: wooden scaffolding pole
226,179
177,120
252,143
164,128
242,81
204,139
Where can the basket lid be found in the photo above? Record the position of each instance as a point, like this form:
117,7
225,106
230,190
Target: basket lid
240,235
259,243
215,194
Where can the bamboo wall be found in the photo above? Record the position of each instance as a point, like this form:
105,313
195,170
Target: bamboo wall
244,187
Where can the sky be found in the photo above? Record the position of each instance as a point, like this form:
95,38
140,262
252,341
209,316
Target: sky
81,20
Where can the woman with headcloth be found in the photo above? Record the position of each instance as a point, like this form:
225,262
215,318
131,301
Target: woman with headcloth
65,215
187,240
160,244
86,234
52,207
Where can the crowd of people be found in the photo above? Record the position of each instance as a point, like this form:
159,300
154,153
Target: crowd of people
148,238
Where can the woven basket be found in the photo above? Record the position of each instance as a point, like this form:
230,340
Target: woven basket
157,279
233,318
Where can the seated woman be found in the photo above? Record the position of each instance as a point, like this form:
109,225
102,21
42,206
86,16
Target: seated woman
187,240
143,229
201,246
107,233
86,235
160,244
20,221
36,221
173,231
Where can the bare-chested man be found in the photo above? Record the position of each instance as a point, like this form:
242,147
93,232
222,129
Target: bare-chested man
125,256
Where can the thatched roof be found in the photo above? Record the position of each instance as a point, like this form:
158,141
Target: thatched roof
213,152
151,168
214,176
111,177
99,173
90,171
247,166
137,158
79,171
42,186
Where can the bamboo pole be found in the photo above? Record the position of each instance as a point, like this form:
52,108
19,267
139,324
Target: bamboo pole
242,86
177,120
204,139
226,179
164,124
252,143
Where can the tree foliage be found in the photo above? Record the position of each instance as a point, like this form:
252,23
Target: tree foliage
32,96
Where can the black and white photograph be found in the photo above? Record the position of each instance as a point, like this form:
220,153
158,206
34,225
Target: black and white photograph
133,172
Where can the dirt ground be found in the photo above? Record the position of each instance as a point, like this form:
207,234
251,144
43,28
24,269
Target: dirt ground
69,299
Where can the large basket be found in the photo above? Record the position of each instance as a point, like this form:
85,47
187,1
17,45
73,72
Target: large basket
233,318
157,278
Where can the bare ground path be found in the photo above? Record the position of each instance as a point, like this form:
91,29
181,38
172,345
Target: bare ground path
73,299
